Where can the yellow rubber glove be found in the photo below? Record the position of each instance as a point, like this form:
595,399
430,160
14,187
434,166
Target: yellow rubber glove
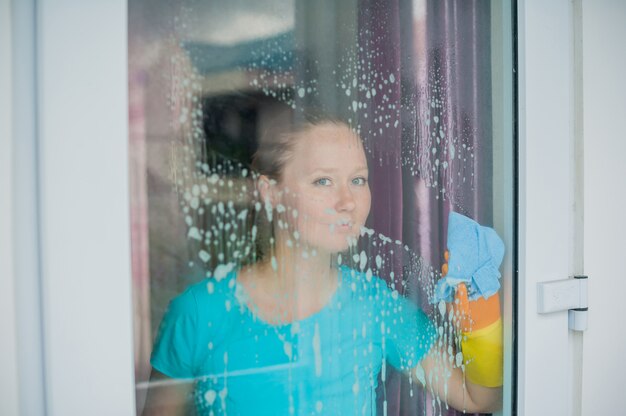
480,324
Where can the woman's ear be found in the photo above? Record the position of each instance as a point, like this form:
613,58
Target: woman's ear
265,186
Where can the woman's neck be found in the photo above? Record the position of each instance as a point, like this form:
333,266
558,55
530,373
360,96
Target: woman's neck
292,284
299,270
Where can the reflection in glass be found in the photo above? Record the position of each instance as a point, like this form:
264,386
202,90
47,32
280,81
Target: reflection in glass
293,170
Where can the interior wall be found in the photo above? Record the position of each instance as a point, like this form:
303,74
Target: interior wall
604,124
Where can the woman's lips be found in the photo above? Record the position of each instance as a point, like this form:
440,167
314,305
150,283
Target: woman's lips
341,226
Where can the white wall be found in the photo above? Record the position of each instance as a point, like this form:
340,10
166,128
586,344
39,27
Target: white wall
604,129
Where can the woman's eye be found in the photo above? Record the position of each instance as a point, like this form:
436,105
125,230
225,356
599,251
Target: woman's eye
322,182
359,181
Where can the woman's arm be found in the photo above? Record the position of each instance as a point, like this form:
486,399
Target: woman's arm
166,396
479,388
450,385
173,359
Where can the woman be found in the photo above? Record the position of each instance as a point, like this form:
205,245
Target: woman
297,333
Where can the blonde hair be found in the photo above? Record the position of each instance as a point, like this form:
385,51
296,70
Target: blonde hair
276,146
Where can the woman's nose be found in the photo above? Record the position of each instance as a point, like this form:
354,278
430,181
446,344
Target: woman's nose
346,201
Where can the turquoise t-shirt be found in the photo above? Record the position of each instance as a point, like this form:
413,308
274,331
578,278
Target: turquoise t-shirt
327,363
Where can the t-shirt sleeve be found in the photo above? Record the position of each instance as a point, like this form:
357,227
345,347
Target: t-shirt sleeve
408,333
173,352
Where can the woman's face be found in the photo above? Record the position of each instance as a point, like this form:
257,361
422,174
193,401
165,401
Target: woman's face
326,182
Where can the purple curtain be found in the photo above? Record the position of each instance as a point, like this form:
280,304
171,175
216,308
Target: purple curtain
439,156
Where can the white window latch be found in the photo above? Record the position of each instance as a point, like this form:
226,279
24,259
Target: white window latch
565,295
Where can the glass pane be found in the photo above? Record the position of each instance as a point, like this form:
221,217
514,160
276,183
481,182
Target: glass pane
299,171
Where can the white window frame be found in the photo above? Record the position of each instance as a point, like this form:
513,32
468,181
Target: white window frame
546,218
79,175
9,403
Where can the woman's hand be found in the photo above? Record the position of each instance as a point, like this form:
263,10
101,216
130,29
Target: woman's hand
480,325
472,315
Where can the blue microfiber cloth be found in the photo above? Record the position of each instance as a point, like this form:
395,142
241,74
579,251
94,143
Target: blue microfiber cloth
476,253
